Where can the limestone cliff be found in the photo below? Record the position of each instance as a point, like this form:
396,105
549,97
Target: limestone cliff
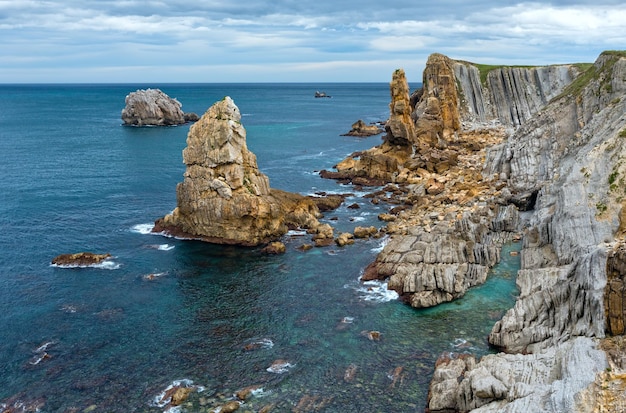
572,156
224,197
438,153
509,95
567,160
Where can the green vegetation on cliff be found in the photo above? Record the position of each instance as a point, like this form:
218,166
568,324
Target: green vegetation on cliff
592,73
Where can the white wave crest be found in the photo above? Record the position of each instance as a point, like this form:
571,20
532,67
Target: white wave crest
153,276
296,233
279,367
105,265
44,346
376,291
165,397
260,392
142,228
165,247
381,245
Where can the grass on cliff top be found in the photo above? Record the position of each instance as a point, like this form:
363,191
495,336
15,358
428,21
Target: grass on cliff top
484,69
592,73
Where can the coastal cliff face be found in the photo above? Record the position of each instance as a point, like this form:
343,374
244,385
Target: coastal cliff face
567,162
224,198
572,156
509,95
460,218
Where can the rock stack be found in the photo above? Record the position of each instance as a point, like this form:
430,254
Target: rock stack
152,107
224,198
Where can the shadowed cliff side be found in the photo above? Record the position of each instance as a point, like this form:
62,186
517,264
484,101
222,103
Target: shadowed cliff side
224,198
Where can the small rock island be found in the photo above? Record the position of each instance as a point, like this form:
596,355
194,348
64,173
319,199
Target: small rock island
224,197
152,107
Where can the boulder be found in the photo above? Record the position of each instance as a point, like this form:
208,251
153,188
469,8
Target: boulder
344,239
274,248
224,198
361,129
152,107
364,232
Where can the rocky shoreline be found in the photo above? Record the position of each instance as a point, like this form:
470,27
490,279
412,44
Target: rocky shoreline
530,153
470,161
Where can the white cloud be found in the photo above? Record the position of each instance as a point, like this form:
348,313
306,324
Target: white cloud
312,39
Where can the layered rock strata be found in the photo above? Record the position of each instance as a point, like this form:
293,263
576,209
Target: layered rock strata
152,107
569,160
224,198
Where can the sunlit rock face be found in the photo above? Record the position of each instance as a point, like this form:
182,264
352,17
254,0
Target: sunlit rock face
224,197
152,107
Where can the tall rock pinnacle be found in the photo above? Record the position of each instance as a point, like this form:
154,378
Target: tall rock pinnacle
224,198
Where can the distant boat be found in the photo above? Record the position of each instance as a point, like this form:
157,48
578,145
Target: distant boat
319,94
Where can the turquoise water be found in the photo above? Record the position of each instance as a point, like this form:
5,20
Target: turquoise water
114,338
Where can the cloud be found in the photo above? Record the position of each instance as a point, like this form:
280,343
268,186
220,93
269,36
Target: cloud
302,41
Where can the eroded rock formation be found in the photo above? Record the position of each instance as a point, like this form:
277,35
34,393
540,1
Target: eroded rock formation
569,159
155,108
224,198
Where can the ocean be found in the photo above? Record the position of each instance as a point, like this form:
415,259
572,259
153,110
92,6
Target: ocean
296,327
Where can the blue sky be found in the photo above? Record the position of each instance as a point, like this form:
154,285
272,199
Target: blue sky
96,41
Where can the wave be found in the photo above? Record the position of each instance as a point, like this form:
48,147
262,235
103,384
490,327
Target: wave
279,367
164,398
153,276
376,291
39,358
381,245
44,346
263,343
165,247
296,233
142,228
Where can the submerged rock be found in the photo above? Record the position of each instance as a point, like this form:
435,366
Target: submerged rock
155,108
224,197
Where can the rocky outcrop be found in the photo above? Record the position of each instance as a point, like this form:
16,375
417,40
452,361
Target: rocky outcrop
79,259
152,107
439,262
547,381
224,198
362,129
382,163
436,114
569,160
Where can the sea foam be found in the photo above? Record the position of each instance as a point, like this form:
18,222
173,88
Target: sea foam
381,245
164,398
376,291
142,228
105,265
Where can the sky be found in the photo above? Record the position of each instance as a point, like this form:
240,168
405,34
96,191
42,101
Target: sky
173,41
